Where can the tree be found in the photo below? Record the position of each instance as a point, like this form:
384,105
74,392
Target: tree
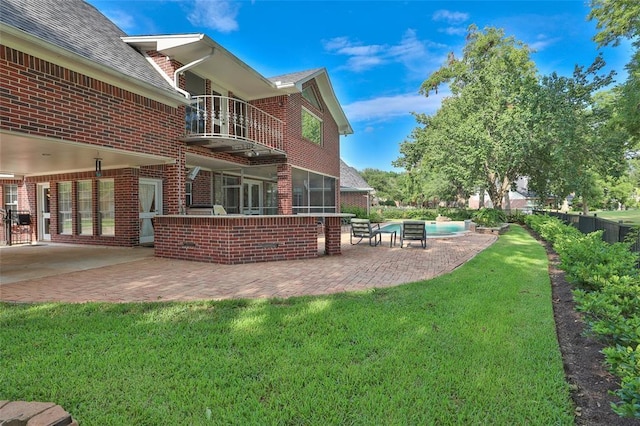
618,19
480,135
577,135
385,183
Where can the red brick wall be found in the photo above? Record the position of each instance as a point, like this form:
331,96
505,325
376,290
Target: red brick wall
354,199
201,189
44,99
306,154
230,240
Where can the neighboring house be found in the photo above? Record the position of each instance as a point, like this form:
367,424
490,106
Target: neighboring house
354,190
101,131
520,198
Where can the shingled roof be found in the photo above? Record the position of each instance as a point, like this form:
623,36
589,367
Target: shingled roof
350,179
80,28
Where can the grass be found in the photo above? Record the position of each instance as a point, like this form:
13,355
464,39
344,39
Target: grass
476,346
627,216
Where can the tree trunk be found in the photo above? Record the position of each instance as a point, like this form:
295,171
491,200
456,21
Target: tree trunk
585,207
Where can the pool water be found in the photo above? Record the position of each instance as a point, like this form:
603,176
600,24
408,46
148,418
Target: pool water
434,229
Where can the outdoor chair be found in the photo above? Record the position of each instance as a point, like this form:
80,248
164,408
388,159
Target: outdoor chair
362,228
414,230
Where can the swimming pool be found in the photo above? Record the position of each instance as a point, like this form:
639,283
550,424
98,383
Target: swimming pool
434,229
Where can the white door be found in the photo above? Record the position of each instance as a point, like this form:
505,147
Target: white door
252,197
44,212
150,196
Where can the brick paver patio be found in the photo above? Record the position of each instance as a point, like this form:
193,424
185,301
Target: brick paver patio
136,277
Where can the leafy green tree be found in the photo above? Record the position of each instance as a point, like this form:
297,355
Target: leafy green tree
577,135
385,183
617,20
479,136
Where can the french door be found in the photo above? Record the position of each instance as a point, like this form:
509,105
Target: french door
252,197
150,205
44,212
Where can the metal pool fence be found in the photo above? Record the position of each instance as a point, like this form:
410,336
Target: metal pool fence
614,232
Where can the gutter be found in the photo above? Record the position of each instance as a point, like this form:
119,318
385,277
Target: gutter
187,67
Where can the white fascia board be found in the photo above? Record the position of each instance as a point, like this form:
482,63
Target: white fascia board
27,43
173,45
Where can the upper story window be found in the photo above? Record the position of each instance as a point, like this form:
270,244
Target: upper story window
310,95
311,127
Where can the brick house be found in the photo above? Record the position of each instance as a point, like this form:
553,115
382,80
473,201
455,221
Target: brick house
102,134
354,190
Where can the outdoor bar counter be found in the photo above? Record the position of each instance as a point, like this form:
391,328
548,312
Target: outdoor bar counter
234,239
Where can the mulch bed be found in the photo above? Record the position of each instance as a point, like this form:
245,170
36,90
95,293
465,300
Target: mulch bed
584,368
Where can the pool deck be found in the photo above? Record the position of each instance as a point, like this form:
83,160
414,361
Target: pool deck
66,273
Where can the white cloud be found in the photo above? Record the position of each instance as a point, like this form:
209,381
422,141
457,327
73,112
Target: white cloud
542,42
450,17
219,15
362,57
388,107
453,30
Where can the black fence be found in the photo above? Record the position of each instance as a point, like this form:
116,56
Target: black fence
17,227
614,232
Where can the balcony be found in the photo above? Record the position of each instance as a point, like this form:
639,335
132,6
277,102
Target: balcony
225,124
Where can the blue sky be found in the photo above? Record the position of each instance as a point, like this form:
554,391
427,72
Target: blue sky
377,53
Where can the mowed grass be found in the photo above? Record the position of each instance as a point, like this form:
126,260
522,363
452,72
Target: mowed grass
627,216
476,346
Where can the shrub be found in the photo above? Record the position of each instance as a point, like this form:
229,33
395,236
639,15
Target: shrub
608,296
358,211
589,261
376,217
489,217
625,362
455,214
516,216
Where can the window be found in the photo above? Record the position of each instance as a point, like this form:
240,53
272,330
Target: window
310,95
85,207
11,197
231,193
65,223
106,207
311,127
188,194
313,193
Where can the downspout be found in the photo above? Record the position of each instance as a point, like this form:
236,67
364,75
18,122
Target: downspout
187,67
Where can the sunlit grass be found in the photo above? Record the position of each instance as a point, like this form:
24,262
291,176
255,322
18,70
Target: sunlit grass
627,216
476,346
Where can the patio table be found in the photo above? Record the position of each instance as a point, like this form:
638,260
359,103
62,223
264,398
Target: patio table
392,230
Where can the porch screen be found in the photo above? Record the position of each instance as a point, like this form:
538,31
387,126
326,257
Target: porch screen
313,192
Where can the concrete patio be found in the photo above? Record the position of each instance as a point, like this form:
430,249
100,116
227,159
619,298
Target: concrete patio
72,273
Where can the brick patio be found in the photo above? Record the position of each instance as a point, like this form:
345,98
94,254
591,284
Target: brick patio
138,276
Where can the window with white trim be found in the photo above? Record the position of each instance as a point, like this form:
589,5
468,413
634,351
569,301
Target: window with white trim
65,220
106,207
11,197
84,196
311,127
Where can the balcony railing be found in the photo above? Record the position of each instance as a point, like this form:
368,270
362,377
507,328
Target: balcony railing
221,117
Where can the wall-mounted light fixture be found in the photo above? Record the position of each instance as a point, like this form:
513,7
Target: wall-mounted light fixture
98,166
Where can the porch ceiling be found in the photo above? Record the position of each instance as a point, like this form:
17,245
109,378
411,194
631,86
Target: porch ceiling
24,155
237,147
267,172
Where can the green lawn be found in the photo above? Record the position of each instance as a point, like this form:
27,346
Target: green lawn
476,346
627,216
